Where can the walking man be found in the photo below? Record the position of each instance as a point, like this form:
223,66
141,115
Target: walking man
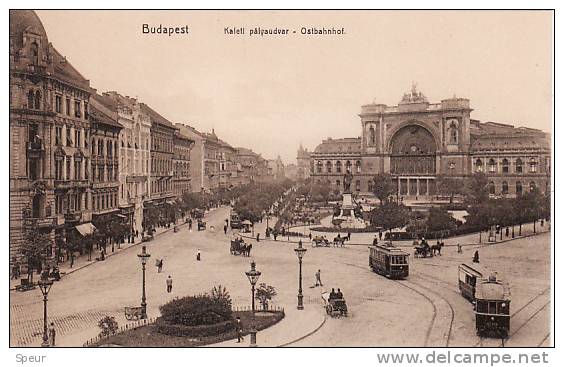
169,284
198,255
225,229
380,235
160,265
318,278
258,237
52,334
459,247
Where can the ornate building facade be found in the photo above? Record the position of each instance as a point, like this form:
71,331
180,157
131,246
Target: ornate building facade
417,141
134,155
49,135
303,164
181,163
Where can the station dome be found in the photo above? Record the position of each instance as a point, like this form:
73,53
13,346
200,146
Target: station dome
25,21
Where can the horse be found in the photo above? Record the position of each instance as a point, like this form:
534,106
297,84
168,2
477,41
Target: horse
436,249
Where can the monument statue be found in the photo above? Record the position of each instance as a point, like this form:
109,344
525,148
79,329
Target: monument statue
347,181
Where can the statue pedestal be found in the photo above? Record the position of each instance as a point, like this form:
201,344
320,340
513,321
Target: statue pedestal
347,217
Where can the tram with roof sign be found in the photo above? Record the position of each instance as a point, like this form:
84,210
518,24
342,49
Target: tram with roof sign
389,261
492,300
468,276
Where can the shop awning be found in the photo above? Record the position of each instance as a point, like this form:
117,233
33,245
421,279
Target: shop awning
85,228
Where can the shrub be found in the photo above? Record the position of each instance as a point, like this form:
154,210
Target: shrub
108,326
164,327
264,294
203,309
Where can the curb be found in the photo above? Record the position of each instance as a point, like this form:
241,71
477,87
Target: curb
306,335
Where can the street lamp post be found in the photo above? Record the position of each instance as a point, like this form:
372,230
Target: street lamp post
143,257
45,286
300,251
253,276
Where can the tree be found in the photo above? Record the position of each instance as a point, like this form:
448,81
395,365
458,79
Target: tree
383,186
37,247
265,293
389,215
439,219
450,186
477,188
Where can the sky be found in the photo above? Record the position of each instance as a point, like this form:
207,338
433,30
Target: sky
272,93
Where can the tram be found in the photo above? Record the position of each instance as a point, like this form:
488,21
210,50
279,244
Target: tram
389,261
492,299
468,276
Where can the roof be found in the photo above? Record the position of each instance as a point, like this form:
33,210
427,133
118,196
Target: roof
475,269
492,290
25,20
495,135
156,117
390,249
99,113
66,72
345,145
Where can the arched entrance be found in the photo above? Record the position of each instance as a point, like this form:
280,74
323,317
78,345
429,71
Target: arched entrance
413,160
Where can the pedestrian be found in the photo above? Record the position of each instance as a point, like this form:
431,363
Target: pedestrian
52,334
258,237
160,266
380,235
275,235
375,241
198,255
476,258
239,327
318,278
542,222
459,247
169,284
225,229
348,236
310,236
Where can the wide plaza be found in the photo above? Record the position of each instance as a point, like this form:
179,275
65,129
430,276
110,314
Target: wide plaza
424,310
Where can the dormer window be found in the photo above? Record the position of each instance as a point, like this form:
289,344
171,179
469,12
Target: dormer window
34,50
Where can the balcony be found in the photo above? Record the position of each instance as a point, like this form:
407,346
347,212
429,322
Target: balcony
68,184
39,222
35,145
78,216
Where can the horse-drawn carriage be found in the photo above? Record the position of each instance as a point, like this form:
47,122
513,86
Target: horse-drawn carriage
133,313
339,241
319,241
201,225
239,247
334,306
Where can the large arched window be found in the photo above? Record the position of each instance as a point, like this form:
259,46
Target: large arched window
518,188
319,167
491,187
371,136
532,186
533,164
329,166
37,101
491,165
453,133
339,167
348,166
34,48
338,184
357,166
505,166
504,187
357,185
519,165
479,165
370,185
30,99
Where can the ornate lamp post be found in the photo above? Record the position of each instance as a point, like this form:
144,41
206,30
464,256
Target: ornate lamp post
300,251
45,286
143,257
253,276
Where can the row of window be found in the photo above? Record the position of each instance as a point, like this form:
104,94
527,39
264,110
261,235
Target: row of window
98,148
104,201
78,110
505,187
338,166
68,203
161,186
69,142
99,170
492,165
63,165
159,165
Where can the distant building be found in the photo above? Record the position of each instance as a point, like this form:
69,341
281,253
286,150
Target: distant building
251,166
305,166
416,141
181,163
291,171
276,168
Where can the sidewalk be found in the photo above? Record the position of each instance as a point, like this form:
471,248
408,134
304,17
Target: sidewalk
296,325
82,261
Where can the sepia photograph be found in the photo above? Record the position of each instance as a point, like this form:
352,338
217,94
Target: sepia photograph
281,178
